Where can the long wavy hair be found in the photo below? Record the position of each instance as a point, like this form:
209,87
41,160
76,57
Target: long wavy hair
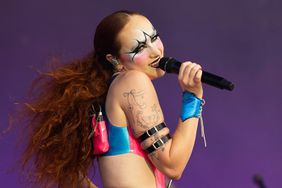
58,151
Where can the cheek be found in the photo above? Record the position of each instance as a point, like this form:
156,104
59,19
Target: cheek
125,58
159,45
141,57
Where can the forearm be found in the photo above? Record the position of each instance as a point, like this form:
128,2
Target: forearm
172,158
183,141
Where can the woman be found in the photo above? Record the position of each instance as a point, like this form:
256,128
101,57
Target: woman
116,76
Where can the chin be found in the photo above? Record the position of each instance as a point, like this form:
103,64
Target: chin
160,72
157,74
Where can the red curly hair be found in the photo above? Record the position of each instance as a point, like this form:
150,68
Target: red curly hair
59,152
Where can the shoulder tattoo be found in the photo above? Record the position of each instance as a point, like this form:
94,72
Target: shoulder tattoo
137,105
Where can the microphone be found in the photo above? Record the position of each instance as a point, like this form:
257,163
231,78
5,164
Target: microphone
171,65
259,181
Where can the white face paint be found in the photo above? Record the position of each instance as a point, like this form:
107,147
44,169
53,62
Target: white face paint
141,46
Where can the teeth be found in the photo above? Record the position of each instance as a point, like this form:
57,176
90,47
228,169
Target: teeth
155,64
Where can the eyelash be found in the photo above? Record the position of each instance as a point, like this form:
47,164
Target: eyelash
142,46
155,37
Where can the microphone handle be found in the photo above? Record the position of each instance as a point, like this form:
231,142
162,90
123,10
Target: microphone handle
259,181
216,81
173,66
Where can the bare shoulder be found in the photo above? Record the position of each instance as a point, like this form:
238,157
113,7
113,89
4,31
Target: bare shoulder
136,83
132,81
139,101
129,89
135,78
129,81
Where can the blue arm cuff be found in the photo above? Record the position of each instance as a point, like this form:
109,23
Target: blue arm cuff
191,106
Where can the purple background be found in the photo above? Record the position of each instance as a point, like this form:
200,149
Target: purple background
238,39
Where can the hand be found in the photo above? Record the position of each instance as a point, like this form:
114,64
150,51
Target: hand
189,78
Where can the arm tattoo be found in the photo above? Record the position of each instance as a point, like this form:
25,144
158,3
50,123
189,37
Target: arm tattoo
135,98
155,137
155,154
137,106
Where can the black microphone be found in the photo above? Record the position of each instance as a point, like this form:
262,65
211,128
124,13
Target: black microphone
259,181
171,65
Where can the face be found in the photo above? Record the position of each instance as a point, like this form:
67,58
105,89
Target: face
141,47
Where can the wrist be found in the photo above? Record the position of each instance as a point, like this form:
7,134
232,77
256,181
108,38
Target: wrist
197,92
199,95
191,105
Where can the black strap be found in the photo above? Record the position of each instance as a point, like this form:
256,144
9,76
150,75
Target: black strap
151,131
158,143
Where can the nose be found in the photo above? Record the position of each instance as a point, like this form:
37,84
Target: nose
154,50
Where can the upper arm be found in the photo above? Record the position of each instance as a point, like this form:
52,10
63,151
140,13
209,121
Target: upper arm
141,106
140,103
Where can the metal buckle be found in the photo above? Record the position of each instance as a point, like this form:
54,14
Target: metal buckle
156,147
150,130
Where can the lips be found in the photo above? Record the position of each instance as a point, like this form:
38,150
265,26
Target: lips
155,64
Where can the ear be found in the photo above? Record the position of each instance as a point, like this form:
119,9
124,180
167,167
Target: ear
115,62
109,57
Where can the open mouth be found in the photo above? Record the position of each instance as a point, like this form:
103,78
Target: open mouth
155,64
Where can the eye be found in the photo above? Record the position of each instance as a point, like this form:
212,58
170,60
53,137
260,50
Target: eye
155,37
140,48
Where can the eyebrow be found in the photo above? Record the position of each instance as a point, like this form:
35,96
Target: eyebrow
144,41
146,34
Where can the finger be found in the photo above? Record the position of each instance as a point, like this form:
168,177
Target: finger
198,76
194,71
182,70
186,73
189,75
